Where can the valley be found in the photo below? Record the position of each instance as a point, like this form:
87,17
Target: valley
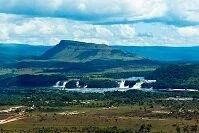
85,87
99,66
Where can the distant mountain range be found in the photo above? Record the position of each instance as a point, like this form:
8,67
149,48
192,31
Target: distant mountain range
44,65
14,52
159,53
83,57
73,51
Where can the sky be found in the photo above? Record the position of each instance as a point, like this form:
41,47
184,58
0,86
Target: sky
112,22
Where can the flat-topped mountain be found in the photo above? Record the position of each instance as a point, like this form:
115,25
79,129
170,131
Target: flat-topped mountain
73,51
69,56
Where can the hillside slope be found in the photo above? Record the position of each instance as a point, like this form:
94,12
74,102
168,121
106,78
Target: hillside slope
14,52
73,51
70,56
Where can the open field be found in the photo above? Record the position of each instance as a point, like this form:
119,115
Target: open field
77,119
51,110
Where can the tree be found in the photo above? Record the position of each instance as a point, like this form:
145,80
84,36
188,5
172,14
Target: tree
194,128
186,129
178,130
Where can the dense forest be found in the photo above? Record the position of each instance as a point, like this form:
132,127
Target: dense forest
176,76
30,80
39,96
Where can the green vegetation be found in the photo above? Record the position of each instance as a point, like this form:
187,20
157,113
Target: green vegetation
120,75
176,76
32,105
39,96
73,51
131,111
30,80
101,84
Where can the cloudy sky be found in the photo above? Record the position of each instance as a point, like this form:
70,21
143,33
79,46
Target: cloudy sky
113,22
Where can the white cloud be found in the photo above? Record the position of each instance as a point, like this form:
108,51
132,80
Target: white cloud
103,32
108,11
33,31
143,9
188,31
127,31
93,40
3,32
187,10
49,31
82,7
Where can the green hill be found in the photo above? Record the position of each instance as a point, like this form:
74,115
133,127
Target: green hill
73,56
73,51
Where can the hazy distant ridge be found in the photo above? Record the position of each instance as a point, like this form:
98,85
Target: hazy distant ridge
164,53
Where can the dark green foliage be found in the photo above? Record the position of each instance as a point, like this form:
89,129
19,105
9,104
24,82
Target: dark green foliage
187,129
145,128
71,84
83,82
176,76
10,99
175,71
88,129
90,66
55,98
102,84
147,85
130,83
119,75
31,80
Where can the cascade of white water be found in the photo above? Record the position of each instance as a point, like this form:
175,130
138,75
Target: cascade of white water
122,84
57,84
64,84
77,84
85,86
138,85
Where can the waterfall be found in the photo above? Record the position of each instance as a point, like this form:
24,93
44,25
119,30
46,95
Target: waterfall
57,84
85,86
77,84
138,85
122,84
64,84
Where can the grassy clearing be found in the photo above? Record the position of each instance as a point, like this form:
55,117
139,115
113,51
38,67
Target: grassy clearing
96,117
